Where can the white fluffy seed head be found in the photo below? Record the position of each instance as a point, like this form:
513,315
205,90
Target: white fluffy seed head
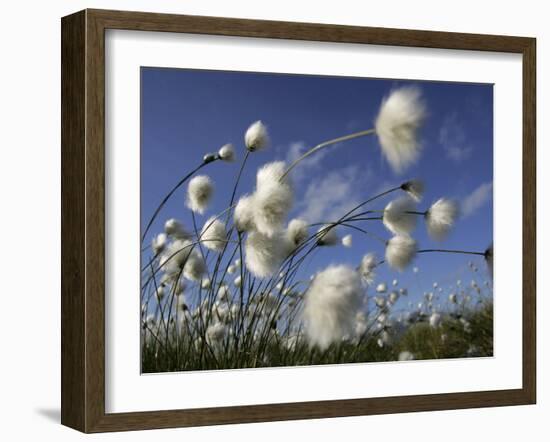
243,214
397,218
238,282
297,232
264,254
215,334
175,229
159,243
380,302
367,266
347,241
327,236
221,310
231,269
397,123
271,173
181,256
206,283
435,320
414,188
227,153
384,339
406,356
400,251
273,198
440,218
331,305
195,267
256,137
175,256
223,293
213,234
199,193
382,287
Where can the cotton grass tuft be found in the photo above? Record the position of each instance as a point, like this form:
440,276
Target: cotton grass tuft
227,153
331,305
264,254
273,198
214,235
256,137
401,114
400,251
441,217
199,193
397,217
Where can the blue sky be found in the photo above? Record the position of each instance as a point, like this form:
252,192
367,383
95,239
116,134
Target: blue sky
186,113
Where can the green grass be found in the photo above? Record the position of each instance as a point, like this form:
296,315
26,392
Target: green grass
452,339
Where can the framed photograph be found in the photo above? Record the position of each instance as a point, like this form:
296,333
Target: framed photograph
266,221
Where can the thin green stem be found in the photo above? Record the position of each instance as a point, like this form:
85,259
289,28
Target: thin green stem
326,144
463,252
167,197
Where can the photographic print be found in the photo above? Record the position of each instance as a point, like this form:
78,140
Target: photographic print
294,220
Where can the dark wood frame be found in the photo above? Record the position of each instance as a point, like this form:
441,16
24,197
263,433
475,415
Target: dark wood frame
83,216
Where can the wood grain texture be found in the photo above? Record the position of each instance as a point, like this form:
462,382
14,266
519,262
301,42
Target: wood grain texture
73,254
529,221
83,220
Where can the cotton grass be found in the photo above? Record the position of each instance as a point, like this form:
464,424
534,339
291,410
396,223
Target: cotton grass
214,235
331,304
256,137
199,193
401,115
159,243
175,229
367,268
414,188
327,236
297,232
244,214
264,254
400,251
273,198
441,217
347,241
398,218
212,311
227,153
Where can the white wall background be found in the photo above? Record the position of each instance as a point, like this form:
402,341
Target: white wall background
30,216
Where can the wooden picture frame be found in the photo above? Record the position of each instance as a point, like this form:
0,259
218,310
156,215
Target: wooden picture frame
83,220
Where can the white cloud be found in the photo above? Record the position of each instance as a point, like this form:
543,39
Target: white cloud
330,196
475,200
452,137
